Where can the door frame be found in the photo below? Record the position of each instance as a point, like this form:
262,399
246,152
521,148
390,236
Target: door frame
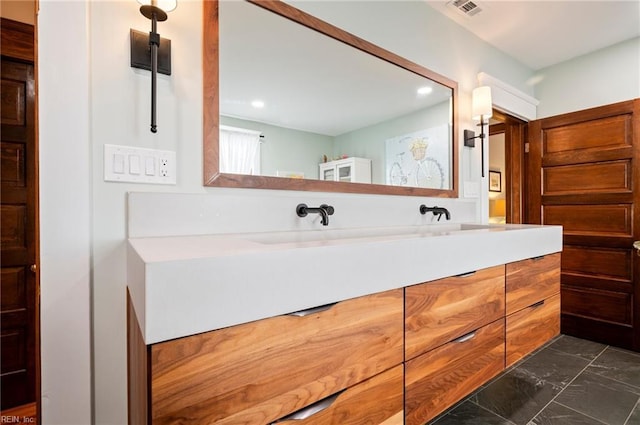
515,133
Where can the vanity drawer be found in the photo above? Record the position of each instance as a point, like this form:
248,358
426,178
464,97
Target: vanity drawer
376,401
439,311
438,379
532,327
261,371
533,280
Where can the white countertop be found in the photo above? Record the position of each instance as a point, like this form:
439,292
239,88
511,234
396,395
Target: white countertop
183,285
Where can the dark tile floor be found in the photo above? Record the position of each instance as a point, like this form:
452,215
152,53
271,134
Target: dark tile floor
570,381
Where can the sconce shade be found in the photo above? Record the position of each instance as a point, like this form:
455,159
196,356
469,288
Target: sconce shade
481,104
165,5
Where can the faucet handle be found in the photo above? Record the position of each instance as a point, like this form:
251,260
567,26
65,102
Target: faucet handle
328,208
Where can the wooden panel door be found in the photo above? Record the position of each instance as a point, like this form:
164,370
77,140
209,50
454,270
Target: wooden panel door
18,217
584,174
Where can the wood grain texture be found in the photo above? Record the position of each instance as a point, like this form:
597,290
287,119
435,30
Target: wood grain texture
611,176
439,311
436,380
598,211
17,40
137,379
612,306
212,176
594,262
531,328
530,281
264,370
376,401
600,133
591,219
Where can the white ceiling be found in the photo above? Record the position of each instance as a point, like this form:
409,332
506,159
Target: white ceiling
542,33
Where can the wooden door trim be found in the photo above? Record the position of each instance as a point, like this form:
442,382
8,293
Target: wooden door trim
635,108
514,139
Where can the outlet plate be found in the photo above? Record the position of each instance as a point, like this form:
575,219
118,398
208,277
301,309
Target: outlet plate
129,164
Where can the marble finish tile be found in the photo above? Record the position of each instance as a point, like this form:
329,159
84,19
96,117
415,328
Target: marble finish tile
469,413
634,419
554,367
557,414
617,364
601,398
580,347
517,396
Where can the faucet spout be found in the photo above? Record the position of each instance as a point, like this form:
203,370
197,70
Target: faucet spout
324,210
439,211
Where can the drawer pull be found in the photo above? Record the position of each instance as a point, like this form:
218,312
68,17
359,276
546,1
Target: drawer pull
466,274
307,412
538,304
312,310
465,338
538,258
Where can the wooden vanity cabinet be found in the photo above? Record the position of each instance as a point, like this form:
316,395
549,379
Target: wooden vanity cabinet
532,305
454,340
259,372
393,358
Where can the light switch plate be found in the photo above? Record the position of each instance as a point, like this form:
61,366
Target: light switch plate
128,164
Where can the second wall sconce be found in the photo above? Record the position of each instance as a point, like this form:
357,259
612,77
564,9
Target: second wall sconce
481,110
152,52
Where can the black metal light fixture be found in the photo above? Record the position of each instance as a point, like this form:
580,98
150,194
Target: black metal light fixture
481,110
153,52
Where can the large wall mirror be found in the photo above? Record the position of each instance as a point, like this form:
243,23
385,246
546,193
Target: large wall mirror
292,102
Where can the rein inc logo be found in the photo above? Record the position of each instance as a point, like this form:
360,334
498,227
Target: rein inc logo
17,419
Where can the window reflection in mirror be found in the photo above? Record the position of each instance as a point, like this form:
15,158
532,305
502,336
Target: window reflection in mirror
316,100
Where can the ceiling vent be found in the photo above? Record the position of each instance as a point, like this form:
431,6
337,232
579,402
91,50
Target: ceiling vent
466,7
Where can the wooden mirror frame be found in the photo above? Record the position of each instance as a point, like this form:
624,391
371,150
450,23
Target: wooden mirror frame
211,113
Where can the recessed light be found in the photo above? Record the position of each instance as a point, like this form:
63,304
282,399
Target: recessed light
257,104
424,90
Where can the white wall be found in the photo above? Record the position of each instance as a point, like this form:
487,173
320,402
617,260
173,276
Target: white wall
120,114
90,96
65,214
607,76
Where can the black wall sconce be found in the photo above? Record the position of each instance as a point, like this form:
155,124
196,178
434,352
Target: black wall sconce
152,52
481,110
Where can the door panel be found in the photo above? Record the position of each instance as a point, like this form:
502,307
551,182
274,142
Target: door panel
613,176
584,174
18,235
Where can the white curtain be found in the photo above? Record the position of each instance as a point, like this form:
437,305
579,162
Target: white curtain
239,151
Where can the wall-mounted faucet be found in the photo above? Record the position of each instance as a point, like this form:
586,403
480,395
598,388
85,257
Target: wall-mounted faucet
324,210
436,211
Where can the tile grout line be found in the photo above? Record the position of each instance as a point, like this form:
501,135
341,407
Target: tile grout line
492,412
626,422
569,383
580,413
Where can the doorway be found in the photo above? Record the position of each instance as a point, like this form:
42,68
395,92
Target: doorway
19,309
506,168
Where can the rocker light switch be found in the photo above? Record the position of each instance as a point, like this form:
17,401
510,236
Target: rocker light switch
134,164
139,165
118,163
